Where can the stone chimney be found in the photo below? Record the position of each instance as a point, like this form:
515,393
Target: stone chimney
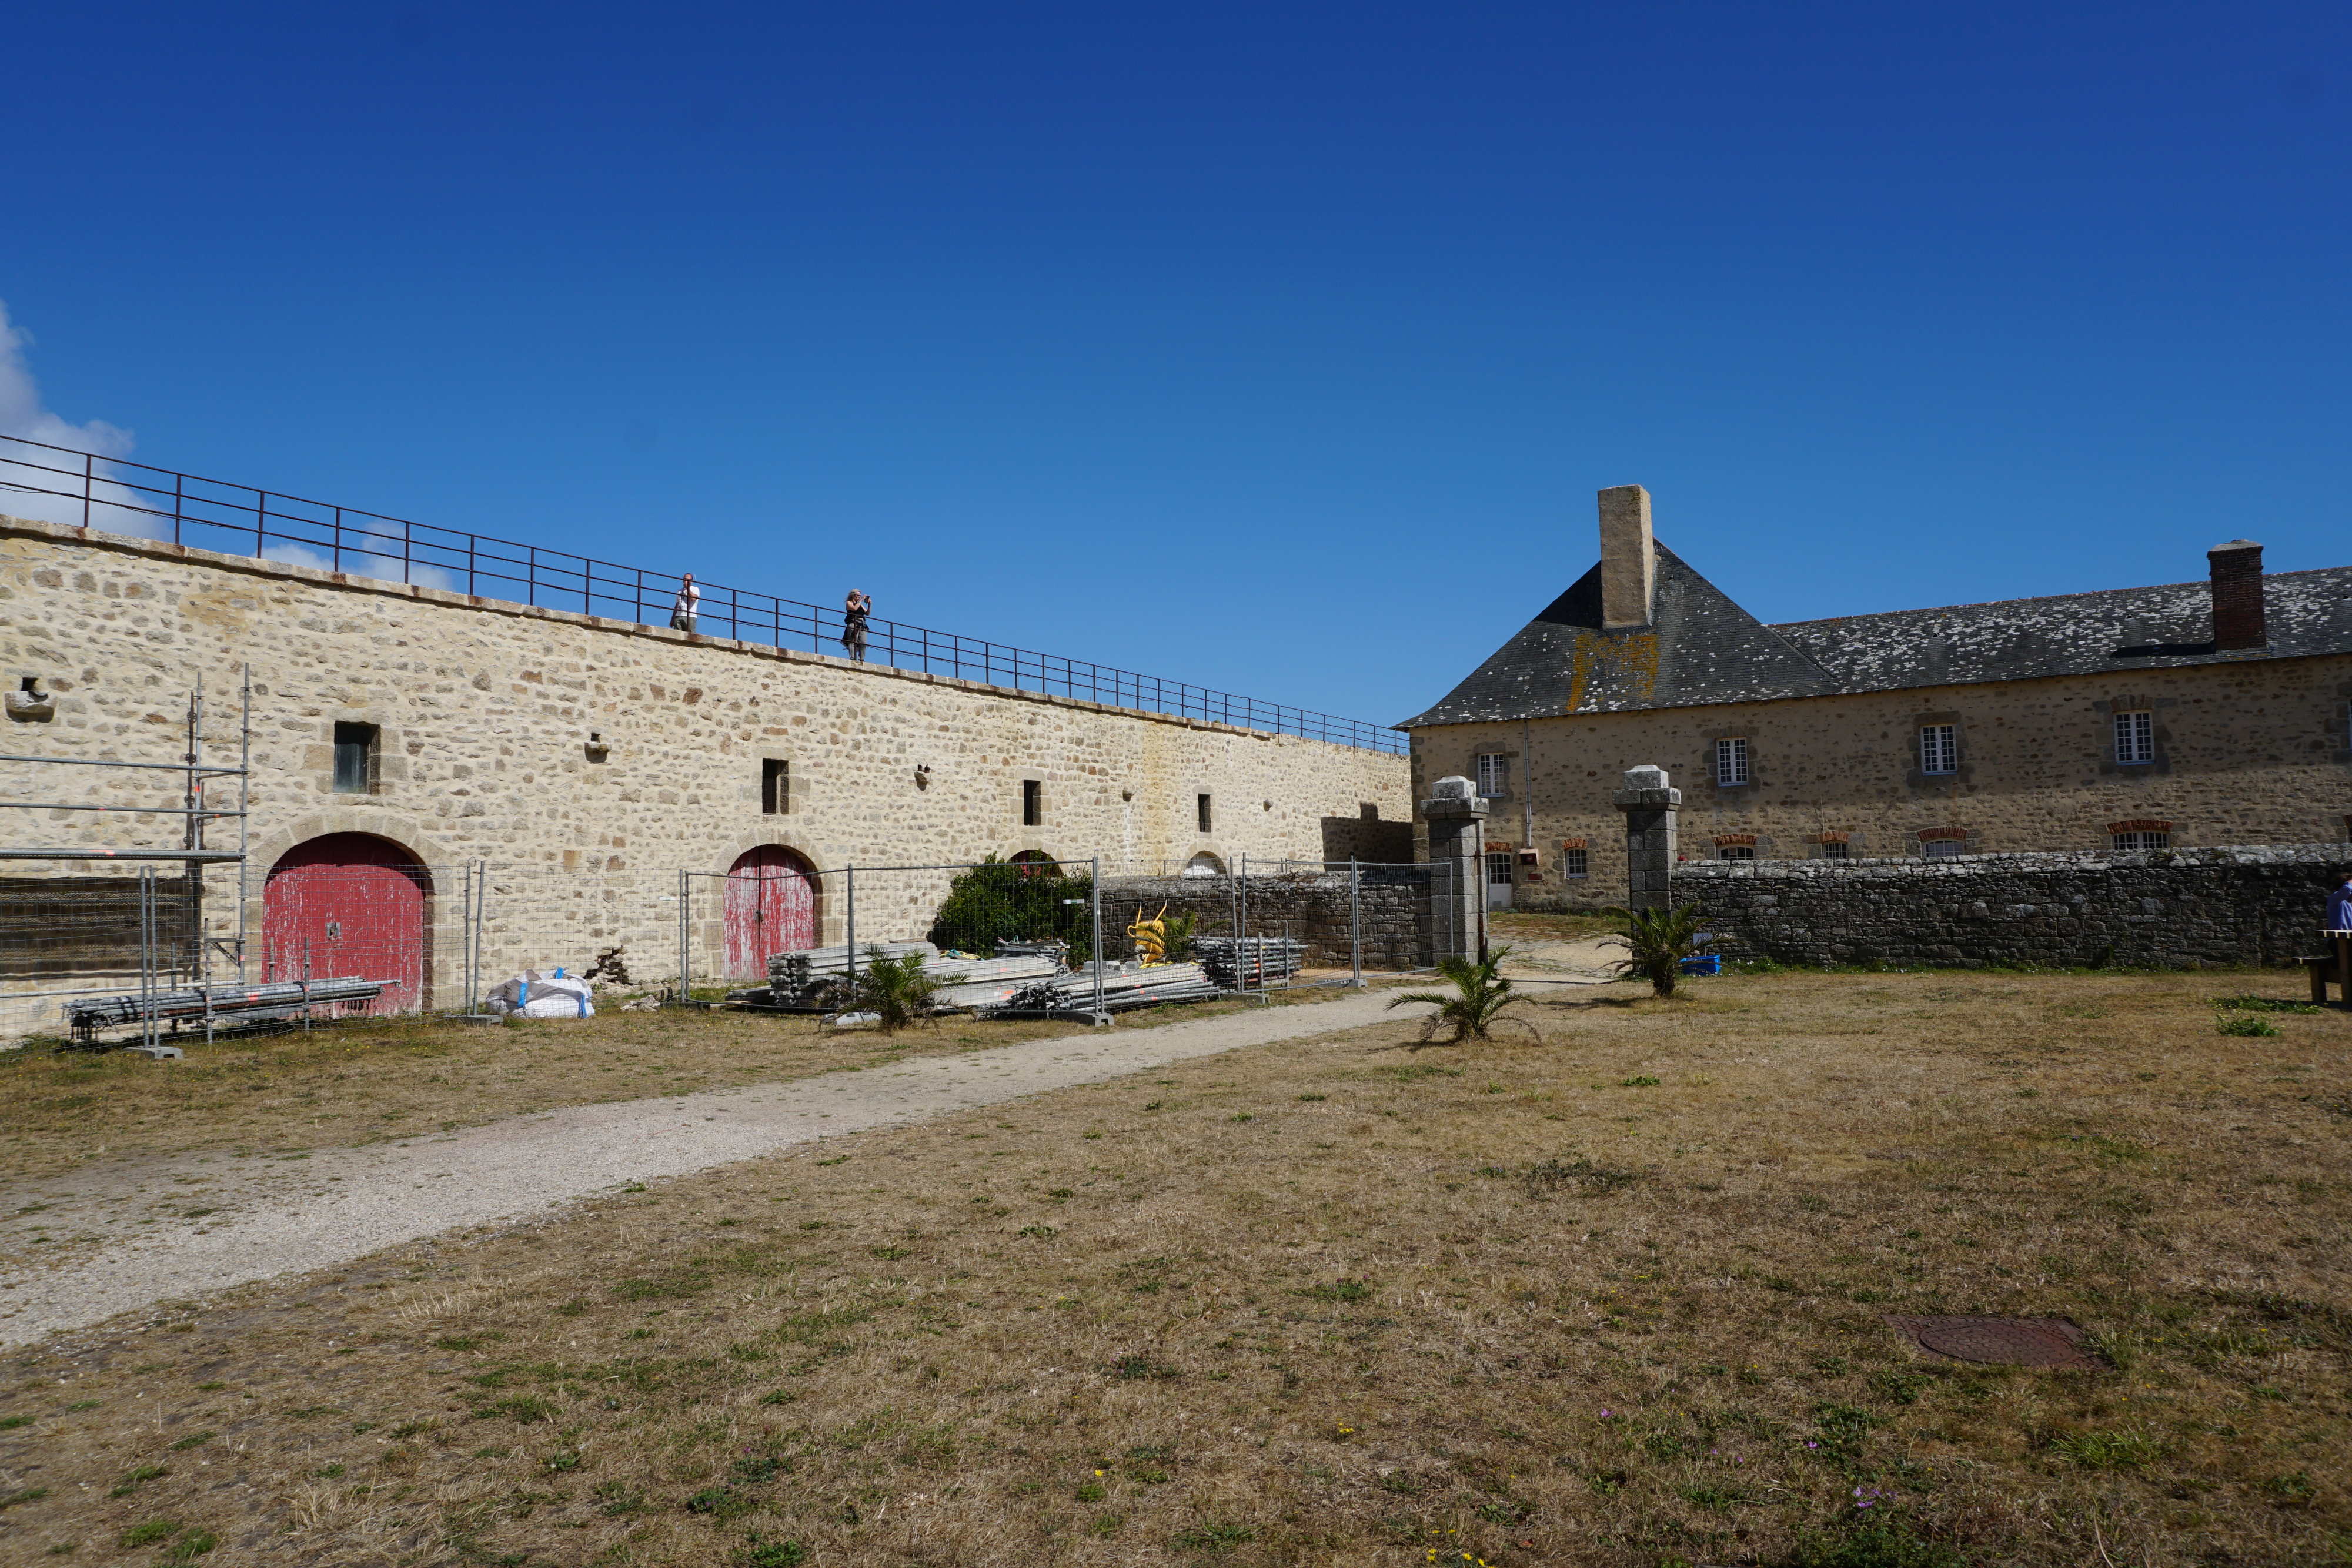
1629,566
2238,618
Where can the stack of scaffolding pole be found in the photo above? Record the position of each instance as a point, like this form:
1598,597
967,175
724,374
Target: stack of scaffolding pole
226,1005
1247,963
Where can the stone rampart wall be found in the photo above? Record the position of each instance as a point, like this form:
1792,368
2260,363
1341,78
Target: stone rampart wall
484,709
2172,909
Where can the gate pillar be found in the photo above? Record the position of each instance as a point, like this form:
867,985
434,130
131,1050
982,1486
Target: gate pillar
1457,840
1649,806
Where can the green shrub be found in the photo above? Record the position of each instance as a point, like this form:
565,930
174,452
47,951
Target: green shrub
1000,900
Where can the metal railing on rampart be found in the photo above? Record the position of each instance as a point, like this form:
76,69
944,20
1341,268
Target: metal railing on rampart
121,496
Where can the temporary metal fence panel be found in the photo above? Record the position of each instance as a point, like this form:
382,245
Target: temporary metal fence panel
1348,919
728,939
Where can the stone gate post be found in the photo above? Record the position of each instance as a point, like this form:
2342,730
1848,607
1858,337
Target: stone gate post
1457,839
1649,807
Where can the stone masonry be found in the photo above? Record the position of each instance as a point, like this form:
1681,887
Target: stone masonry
2176,908
485,710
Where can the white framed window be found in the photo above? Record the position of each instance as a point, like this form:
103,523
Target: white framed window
1737,852
1943,849
1498,868
1494,774
1731,762
1834,849
1939,748
2143,840
1575,864
2134,738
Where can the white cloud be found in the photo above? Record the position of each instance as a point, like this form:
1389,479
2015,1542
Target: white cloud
27,472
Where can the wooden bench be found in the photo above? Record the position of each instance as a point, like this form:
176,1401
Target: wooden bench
2336,967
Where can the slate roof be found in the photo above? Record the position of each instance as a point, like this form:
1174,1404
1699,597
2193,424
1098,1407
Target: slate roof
1703,649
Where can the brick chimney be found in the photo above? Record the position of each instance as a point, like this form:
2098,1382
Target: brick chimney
1629,566
2238,619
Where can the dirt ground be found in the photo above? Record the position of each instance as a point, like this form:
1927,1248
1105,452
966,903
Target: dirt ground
362,1081
1612,1296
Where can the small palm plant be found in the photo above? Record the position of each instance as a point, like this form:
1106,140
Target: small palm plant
895,990
1657,942
1179,939
1480,995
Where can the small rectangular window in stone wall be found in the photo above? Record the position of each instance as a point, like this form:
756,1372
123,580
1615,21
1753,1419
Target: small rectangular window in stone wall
2134,738
1943,849
1731,762
1575,860
1940,749
1833,849
1494,774
1498,868
354,759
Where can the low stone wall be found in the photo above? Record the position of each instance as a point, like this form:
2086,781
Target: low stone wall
2176,908
1392,904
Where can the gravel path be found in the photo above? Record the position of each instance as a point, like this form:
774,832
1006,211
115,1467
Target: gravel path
200,1223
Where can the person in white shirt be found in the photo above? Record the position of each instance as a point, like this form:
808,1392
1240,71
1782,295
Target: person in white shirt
681,614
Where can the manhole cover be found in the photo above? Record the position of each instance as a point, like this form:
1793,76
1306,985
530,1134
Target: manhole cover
2002,1341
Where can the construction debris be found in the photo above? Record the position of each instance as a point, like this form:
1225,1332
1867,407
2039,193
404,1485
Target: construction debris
1247,963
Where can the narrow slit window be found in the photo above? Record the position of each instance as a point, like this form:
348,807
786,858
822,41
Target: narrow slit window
1201,803
355,757
1939,748
1731,762
1576,863
2134,738
775,786
1032,803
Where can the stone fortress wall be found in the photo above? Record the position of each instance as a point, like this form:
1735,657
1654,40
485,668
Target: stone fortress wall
484,711
2247,753
2175,909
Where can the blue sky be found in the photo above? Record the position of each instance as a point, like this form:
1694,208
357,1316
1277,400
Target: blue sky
1277,348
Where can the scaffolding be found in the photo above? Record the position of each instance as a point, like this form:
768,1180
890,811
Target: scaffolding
176,953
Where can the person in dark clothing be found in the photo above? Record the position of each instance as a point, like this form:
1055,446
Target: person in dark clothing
2339,902
854,611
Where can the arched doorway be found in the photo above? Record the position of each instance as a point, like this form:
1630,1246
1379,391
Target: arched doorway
349,905
770,909
1037,862
1204,864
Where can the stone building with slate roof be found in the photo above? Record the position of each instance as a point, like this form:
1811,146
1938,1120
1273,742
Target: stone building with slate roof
2207,714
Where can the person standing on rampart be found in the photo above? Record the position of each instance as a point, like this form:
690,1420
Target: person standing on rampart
854,613
682,614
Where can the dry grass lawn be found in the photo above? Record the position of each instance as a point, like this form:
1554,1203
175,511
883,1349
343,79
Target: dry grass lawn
1611,1299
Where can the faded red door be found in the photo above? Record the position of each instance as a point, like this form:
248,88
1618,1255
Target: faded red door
770,909
354,904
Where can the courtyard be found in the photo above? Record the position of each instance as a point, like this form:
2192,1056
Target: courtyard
1613,1290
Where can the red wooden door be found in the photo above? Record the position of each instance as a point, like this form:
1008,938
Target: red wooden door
355,904
770,909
